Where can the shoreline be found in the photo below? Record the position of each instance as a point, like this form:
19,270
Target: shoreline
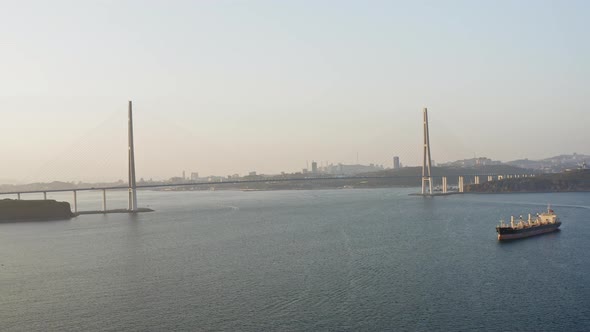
139,210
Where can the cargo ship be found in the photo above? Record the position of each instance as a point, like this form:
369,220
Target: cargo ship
544,223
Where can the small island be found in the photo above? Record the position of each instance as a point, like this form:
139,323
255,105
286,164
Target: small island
569,181
29,210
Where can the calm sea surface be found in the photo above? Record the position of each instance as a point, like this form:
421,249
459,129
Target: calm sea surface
298,261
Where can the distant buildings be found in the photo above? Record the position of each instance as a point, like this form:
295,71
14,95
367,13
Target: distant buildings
554,164
314,167
342,169
396,162
176,179
215,178
473,162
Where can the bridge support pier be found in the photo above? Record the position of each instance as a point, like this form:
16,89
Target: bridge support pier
461,182
476,179
490,178
104,200
444,184
45,195
18,196
75,201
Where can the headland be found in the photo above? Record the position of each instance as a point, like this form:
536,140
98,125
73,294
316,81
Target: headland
33,210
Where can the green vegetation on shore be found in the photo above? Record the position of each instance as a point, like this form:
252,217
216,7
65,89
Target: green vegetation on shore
578,180
16,210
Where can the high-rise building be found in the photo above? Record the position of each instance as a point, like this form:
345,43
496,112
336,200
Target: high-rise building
314,167
396,162
183,175
194,176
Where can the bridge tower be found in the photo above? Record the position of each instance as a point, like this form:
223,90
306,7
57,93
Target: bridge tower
426,172
132,206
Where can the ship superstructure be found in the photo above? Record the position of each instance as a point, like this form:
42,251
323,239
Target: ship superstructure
543,223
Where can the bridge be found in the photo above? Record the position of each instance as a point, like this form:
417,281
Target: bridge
132,186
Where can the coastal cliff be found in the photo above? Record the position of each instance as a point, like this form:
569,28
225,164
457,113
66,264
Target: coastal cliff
18,210
577,180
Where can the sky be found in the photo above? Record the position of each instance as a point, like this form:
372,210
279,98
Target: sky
225,87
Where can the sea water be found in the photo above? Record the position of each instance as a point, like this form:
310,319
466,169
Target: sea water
318,260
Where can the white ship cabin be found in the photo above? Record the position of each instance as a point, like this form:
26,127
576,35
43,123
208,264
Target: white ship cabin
544,218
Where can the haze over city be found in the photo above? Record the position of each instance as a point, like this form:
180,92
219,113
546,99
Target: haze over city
231,87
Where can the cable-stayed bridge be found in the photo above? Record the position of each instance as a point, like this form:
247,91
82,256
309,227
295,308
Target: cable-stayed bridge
426,177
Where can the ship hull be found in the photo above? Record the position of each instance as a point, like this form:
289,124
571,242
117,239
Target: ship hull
512,234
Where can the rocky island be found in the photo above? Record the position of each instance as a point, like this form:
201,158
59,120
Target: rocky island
570,181
18,210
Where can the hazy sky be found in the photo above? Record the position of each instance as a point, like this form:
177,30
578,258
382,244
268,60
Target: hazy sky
224,87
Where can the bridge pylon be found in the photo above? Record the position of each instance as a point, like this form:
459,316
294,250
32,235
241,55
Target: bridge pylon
132,203
426,164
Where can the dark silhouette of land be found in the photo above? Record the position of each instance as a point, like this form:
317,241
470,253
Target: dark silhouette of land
18,210
571,181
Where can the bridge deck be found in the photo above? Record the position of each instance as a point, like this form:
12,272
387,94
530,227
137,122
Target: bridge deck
189,184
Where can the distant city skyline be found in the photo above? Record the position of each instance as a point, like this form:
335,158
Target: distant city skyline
232,87
553,164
